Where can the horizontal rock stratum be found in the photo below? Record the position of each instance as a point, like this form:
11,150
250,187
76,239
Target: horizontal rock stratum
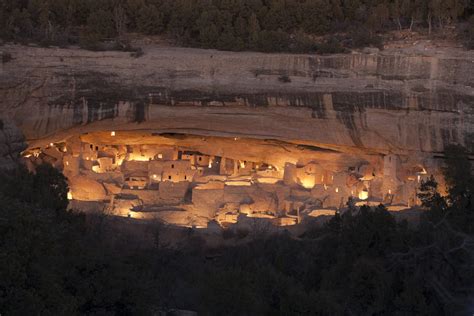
401,101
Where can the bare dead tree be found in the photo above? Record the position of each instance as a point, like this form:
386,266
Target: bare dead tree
120,20
442,254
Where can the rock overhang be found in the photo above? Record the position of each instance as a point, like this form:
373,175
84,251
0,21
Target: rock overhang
393,101
342,125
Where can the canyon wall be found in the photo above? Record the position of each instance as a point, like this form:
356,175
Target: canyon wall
411,101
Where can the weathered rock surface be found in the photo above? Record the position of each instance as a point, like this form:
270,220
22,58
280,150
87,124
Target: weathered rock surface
409,101
86,189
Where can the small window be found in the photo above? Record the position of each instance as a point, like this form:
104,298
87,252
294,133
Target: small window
185,178
200,158
169,177
96,148
172,166
92,147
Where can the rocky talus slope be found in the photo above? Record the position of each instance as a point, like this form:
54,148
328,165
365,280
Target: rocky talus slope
410,101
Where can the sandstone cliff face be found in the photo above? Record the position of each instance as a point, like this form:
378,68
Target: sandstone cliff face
400,101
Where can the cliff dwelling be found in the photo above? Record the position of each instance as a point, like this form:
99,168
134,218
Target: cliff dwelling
196,141
236,157
193,181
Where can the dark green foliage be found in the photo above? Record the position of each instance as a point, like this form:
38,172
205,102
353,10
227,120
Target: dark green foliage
459,179
150,20
429,196
332,45
46,189
101,24
272,41
369,285
228,233
50,188
360,263
51,262
268,26
458,174
362,37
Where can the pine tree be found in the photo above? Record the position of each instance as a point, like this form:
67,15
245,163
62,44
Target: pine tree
254,31
396,12
150,20
120,21
207,28
102,24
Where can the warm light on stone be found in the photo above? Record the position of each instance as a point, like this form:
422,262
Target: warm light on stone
144,176
268,180
322,212
96,169
308,183
238,183
364,195
296,154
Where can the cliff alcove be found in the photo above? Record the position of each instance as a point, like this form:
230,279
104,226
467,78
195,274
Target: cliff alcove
367,124
193,180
